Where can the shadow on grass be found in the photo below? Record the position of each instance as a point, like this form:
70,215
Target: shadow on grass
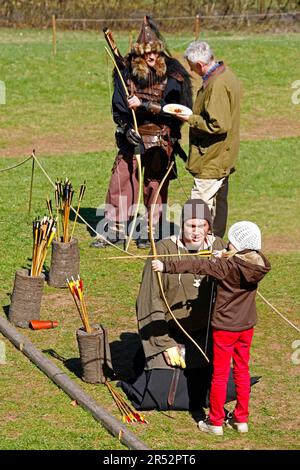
165,229
89,214
72,364
6,310
125,355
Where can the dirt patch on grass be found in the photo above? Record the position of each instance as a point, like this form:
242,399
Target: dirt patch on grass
278,244
17,142
270,129
22,145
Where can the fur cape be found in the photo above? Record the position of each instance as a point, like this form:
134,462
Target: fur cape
165,67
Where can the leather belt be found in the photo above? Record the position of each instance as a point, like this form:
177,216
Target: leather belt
149,129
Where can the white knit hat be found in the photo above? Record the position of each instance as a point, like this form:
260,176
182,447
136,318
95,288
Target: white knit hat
245,235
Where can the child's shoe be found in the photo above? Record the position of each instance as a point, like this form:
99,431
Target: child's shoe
239,427
206,426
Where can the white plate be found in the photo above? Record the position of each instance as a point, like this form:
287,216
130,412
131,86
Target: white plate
177,109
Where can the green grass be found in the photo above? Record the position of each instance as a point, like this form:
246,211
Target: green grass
63,100
111,291
48,99
266,187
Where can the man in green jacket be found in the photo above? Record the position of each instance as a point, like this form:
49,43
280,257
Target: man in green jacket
214,131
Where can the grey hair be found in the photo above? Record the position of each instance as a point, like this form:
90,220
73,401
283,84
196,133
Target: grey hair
199,51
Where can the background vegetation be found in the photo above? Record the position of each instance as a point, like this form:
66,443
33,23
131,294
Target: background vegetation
38,12
61,106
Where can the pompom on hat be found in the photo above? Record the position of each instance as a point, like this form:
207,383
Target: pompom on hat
245,235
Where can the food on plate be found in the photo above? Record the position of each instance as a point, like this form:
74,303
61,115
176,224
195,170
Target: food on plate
177,109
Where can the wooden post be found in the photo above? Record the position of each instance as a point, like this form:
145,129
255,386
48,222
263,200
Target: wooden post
130,41
60,378
31,183
54,34
197,26
261,6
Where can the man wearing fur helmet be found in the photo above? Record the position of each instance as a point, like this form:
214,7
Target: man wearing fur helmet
153,78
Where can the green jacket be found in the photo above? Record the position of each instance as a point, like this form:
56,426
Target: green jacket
214,126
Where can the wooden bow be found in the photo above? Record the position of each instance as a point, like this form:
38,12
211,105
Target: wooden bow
137,156
154,251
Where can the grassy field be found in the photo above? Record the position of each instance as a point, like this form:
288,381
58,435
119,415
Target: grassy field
61,107
57,105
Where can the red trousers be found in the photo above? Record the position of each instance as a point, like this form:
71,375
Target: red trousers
227,345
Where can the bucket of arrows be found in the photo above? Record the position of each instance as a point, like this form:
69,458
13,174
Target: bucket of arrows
28,287
26,298
94,351
92,354
65,259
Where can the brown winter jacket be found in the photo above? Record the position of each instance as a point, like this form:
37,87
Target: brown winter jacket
237,278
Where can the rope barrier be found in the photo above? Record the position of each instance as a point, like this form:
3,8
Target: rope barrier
15,166
174,18
33,156
79,216
131,254
277,311
44,171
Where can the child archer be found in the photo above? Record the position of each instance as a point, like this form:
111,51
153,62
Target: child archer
237,273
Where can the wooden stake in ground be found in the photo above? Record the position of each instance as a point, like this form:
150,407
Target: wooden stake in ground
31,182
197,27
54,35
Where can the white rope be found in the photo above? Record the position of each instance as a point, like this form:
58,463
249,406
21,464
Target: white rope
44,171
179,46
278,313
16,165
131,254
174,18
79,216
